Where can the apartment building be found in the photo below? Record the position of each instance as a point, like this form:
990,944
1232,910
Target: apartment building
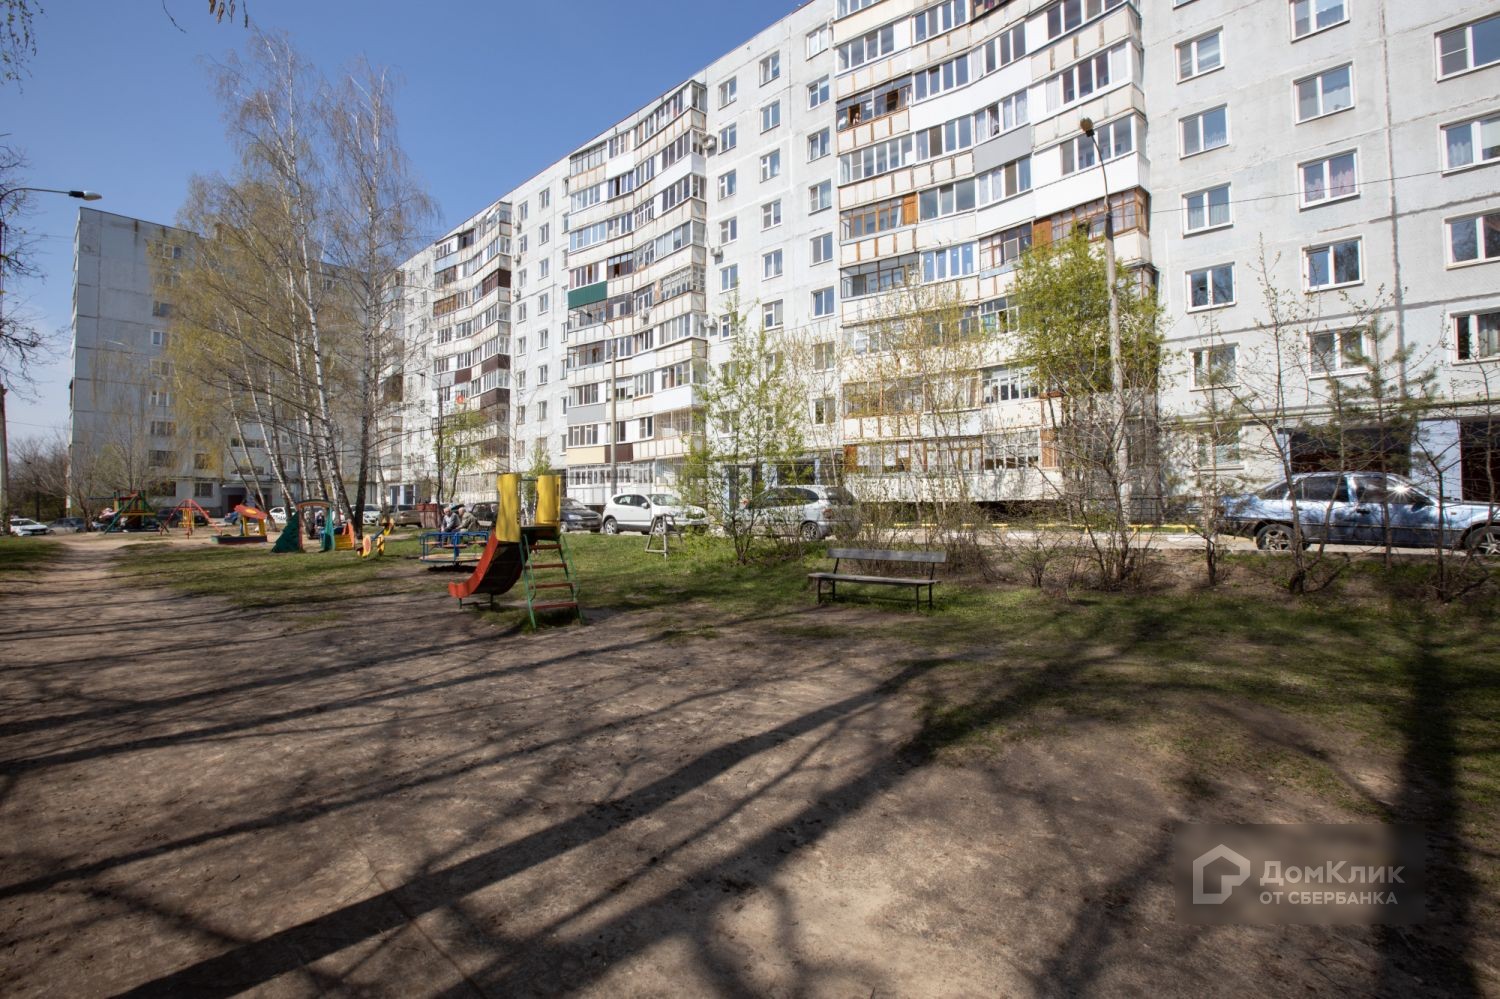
126,427
1341,151
858,155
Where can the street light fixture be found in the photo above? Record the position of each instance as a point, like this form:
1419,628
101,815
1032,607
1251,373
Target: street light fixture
1116,350
4,449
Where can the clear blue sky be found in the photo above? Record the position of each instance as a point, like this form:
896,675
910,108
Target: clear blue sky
119,102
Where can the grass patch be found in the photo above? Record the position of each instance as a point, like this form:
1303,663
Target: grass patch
22,555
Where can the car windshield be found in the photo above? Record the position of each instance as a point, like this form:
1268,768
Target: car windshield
665,499
569,503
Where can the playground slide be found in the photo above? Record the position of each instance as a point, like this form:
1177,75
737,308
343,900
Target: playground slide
497,571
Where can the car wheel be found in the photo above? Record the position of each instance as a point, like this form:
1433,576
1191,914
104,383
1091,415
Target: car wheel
610,527
1274,538
1485,541
809,531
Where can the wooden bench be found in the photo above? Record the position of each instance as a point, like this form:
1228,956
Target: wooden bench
930,559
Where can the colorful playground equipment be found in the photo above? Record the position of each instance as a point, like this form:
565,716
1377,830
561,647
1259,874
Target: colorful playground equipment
252,524
526,554
188,511
129,508
291,535
374,544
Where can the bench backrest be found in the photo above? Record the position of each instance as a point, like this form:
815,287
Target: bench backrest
886,555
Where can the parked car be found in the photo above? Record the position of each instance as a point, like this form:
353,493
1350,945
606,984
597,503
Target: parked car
636,511
370,515
405,515
69,525
25,527
1360,508
809,512
577,517
484,513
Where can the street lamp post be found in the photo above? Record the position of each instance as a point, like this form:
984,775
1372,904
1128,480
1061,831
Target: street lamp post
1116,350
4,435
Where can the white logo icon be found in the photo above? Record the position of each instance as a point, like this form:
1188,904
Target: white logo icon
1227,883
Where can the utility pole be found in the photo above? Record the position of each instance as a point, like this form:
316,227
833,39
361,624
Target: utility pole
1116,350
4,435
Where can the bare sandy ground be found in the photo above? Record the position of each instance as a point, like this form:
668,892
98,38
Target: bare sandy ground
200,801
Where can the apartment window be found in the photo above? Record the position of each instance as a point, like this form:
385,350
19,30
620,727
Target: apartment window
770,315
1205,130
203,490
817,92
847,7
941,78
728,91
770,214
876,45
1087,77
939,18
158,338
822,248
544,199
544,268
541,340
1215,365
771,165
1334,265
820,196
521,313
1201,55
770,116
1336,350
817,145
1005,48
1211,287
770,68
727,185
1474,239
543,234
543,302
1115,139
541,375
771,264
163,428
822,305
1207,209
520,349
729,137
161,398
1324,94
729,230
1004,181
824,409
1470,143
521,246
161,309
1218,450
1477,335
729,277
1469,47
818,40
949,199
1329,179
1309,16
1069,14
952,262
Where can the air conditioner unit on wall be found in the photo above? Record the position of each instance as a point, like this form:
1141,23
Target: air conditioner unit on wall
710,144
718,252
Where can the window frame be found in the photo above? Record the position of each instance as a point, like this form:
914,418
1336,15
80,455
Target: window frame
1473,314
1472,124
1331,248
1197,72
772,62
1468,29
771,210
1209,349
773,110
770,165
1477,218
1209,269
1198,116
1312,19
776,256
1302,201
1209,226
1322,111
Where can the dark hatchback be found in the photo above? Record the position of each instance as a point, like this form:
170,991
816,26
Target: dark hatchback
577,517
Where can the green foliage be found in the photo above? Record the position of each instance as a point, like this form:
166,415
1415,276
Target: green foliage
1063,336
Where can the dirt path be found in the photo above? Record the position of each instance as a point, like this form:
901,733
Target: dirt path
202,801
